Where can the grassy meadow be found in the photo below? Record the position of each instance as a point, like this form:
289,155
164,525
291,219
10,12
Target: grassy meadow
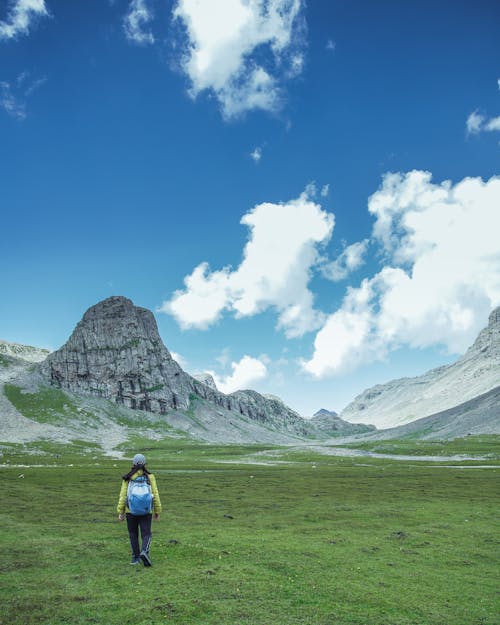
316,540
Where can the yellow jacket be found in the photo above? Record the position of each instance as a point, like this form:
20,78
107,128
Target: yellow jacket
122,501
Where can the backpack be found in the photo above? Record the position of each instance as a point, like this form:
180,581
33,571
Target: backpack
140,496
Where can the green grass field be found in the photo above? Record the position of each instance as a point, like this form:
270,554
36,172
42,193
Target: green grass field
319,541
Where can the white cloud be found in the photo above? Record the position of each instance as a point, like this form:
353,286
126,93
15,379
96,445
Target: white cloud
275,271
240,50
297,65
493,124
244,374
442,277
352,258
224,357
331,45
20,17
477,123
136,21
474,122
325,190
256,155
33,86
180,360
10,103
13,96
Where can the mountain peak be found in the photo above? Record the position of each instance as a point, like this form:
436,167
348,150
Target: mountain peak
323,412
207,379
115,352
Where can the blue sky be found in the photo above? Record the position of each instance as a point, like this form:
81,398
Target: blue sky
307,195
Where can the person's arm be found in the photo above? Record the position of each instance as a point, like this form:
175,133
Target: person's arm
156,497
122,500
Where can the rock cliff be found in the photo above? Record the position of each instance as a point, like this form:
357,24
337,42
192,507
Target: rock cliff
116,353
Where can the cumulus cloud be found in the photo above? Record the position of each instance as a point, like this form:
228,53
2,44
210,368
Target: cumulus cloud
275,271
244,374
136,21
352,258
20,17
442,273
241,50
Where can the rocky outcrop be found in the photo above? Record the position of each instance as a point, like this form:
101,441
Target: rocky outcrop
272,412
25,352
206,378
329,423
116,353
407,399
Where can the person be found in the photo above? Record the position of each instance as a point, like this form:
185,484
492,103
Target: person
139,522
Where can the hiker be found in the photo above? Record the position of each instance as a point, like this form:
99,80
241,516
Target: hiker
139,499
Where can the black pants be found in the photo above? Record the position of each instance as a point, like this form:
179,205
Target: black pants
133,524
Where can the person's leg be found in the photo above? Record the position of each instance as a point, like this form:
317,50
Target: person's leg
146,534
133,532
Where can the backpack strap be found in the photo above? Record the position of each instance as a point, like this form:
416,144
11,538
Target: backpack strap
145,476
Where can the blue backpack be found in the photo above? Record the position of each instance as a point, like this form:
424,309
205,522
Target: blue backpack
140,496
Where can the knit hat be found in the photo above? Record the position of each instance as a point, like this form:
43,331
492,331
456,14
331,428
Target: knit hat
139,459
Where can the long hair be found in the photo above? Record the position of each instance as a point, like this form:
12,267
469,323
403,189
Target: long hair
134,469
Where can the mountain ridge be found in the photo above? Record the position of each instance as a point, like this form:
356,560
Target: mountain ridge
115,352
25,352
404,400
117,378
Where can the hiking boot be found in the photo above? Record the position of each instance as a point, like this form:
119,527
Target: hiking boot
135,560
145,558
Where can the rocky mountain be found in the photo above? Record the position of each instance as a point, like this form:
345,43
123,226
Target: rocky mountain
407,399
480,415
26,352
331,424
114,378
323,412
206,378
272,412
116,353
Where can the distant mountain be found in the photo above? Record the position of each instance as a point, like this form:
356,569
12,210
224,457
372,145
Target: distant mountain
480,415
331,424
323,412
407,399
25,352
